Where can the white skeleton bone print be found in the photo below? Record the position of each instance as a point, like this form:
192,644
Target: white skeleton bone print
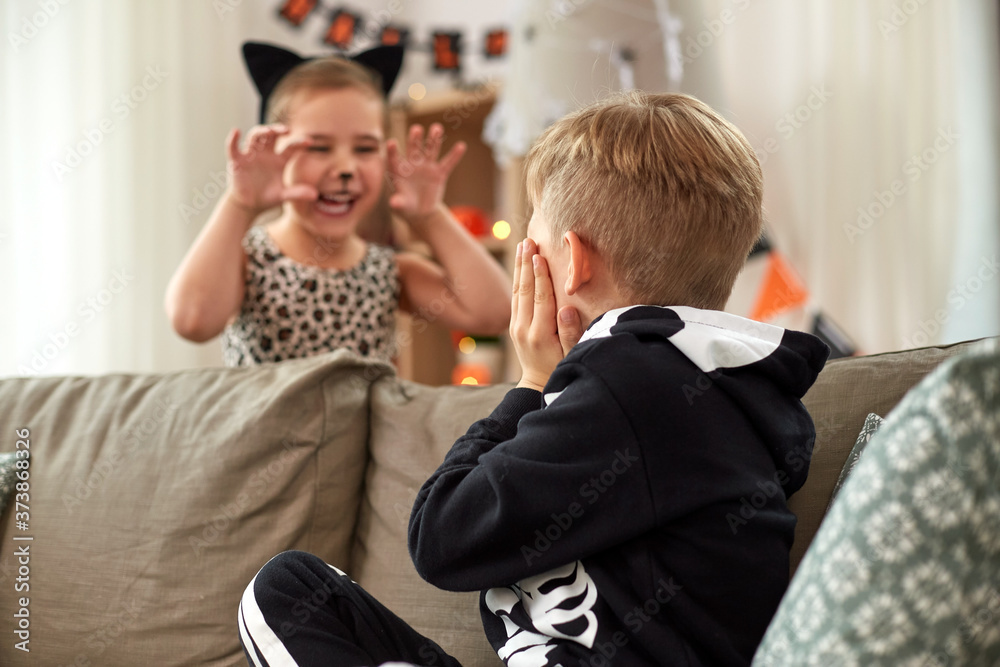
557,604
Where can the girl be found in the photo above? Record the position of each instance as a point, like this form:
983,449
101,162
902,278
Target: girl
308,283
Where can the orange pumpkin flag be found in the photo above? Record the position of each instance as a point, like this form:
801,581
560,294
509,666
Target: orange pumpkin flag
781,290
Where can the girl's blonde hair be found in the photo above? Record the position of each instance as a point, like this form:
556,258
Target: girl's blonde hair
665,190
331,73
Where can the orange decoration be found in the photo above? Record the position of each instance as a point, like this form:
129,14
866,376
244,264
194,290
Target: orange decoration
296,11
781,290
472,218
470,373
496,43
446,51
341,31
392,36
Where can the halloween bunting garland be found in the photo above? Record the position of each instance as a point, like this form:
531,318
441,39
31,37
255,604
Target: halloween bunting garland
445,46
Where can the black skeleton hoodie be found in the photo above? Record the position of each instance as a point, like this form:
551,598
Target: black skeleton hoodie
635,512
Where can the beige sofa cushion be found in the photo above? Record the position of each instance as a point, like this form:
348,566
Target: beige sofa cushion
413,427
845,392
156,498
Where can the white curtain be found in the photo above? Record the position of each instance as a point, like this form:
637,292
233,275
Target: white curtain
875,120
113,118
977,242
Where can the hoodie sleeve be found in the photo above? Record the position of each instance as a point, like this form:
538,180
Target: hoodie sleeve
526,490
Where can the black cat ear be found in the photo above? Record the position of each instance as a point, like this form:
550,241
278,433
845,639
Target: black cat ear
268,63
386,60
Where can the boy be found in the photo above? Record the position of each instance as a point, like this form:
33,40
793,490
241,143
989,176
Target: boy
602,508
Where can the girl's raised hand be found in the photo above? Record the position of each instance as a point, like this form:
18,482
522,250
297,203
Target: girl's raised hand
256,171
418,176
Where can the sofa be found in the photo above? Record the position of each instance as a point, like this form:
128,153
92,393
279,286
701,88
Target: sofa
153,499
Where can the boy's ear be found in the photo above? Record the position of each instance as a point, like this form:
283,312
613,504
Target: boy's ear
579,270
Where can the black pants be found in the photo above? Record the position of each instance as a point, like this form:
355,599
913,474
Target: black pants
300,611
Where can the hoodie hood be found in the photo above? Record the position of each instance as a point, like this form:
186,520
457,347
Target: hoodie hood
758,365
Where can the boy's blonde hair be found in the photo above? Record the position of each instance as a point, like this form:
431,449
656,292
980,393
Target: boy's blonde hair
664,189
331,73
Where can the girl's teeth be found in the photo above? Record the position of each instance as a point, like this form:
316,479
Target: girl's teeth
334,207
340,198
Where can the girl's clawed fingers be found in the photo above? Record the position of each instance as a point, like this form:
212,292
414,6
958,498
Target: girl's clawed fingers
392,155
262,137
452,157
432,148
257,138
295,145
415,143
300,192
233,143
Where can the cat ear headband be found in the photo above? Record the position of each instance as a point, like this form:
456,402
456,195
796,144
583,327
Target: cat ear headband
268,64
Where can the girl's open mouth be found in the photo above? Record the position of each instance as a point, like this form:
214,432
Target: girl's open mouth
340,203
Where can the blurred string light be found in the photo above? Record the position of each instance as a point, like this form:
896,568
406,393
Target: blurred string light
416,91
467,345
501,229
471,373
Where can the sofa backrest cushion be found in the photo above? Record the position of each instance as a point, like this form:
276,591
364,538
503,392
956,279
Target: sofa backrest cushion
154,499
413,427
845,392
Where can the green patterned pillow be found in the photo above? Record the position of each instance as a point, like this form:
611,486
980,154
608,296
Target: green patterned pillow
903,570
872,424
8,477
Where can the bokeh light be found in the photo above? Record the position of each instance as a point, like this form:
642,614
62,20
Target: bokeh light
501,229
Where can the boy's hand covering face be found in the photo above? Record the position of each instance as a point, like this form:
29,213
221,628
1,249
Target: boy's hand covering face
540,339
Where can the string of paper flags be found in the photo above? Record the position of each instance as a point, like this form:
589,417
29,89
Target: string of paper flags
446,46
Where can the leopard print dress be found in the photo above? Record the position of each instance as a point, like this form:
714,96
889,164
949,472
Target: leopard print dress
293,310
